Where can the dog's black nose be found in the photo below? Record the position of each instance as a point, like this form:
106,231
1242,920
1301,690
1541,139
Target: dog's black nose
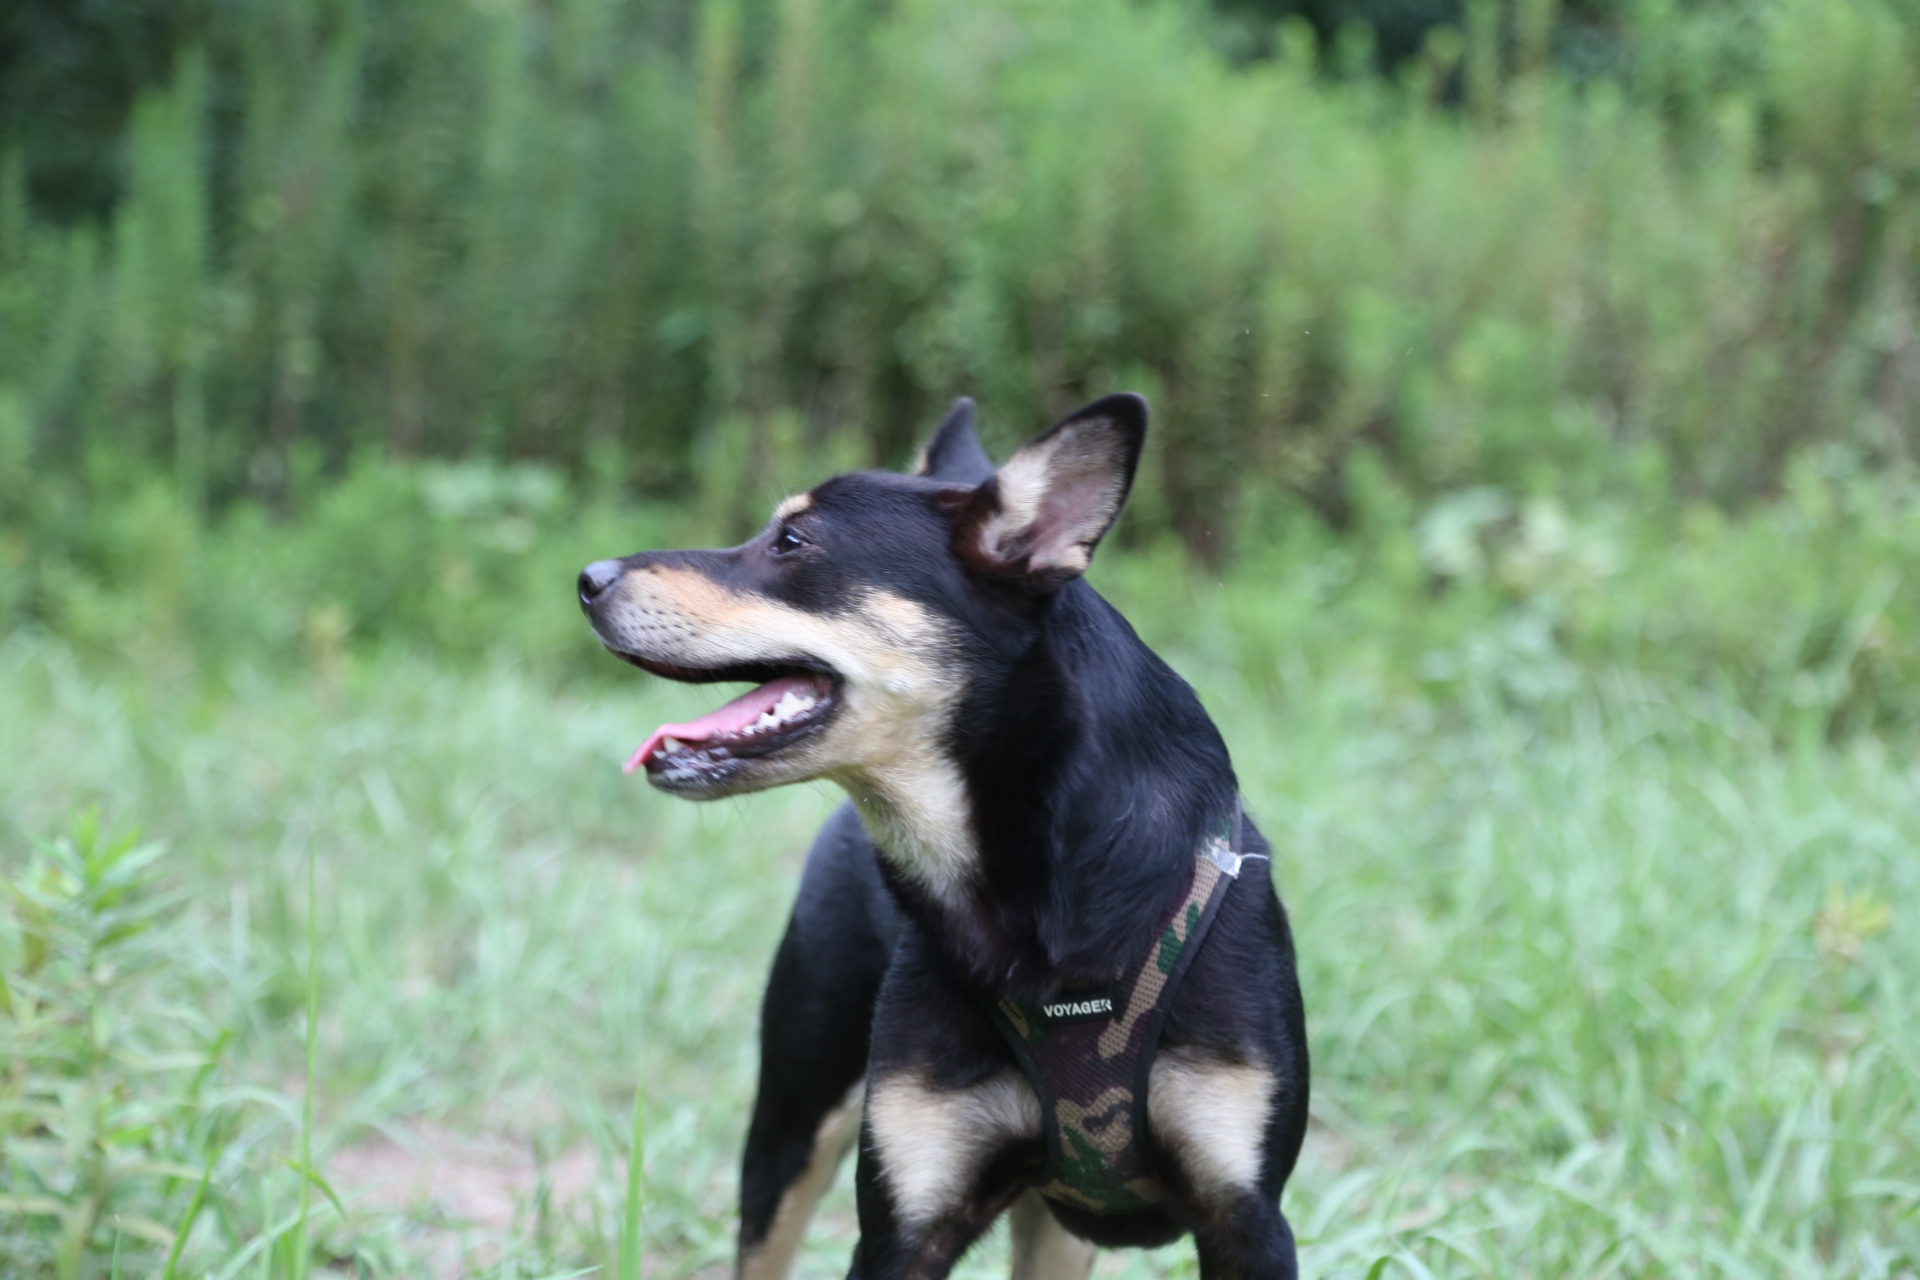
597,577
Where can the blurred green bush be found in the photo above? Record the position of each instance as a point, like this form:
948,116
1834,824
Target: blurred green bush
470,558
682,248
1797,618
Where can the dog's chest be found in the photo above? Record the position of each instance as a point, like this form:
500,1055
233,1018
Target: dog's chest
1089,1053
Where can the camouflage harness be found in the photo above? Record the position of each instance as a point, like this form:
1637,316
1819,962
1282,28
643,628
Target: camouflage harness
1088,1054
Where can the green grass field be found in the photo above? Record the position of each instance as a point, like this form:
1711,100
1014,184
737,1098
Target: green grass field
1616,984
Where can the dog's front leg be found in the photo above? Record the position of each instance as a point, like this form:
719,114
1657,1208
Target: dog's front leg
938,1163
1248,1241
1222,1121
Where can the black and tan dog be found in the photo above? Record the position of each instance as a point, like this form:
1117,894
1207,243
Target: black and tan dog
992,936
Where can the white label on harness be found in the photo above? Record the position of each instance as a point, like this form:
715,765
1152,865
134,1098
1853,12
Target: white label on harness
1081,1006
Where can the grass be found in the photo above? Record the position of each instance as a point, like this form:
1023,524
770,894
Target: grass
1613,983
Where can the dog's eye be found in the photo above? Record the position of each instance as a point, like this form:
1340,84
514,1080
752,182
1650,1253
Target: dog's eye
787,540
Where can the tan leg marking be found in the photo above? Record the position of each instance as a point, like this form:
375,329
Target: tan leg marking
772,1258
1213,1115
933,1142
1042,1248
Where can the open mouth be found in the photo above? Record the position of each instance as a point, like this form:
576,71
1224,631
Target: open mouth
791,702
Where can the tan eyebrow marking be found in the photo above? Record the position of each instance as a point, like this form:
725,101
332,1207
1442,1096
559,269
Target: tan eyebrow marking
791,507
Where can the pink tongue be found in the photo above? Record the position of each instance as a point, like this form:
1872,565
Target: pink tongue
732,718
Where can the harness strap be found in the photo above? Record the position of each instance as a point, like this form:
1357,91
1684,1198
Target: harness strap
1089,1054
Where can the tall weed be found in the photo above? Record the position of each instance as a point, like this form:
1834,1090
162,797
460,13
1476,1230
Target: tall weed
129,1143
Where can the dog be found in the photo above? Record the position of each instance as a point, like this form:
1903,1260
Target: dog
1014,887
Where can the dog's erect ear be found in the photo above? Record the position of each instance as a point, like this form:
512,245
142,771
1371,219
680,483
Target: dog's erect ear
954,454
1041,515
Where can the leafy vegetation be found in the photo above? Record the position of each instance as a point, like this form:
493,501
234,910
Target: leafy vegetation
126,1139
1800,612
680,250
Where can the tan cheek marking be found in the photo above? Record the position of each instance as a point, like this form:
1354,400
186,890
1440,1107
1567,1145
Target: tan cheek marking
1213,1115
932,1143
694,596
900,648
908,792
772,1258
683,616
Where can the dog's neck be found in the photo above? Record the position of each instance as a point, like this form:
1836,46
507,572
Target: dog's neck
916,812
1082,784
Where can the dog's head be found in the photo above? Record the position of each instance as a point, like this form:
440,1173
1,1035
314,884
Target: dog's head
868,607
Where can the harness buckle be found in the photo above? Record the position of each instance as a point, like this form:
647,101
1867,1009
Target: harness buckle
1226,859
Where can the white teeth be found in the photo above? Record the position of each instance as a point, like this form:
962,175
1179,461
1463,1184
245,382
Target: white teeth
790,705
670,745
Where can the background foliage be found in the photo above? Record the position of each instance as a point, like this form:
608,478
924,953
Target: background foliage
682,246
